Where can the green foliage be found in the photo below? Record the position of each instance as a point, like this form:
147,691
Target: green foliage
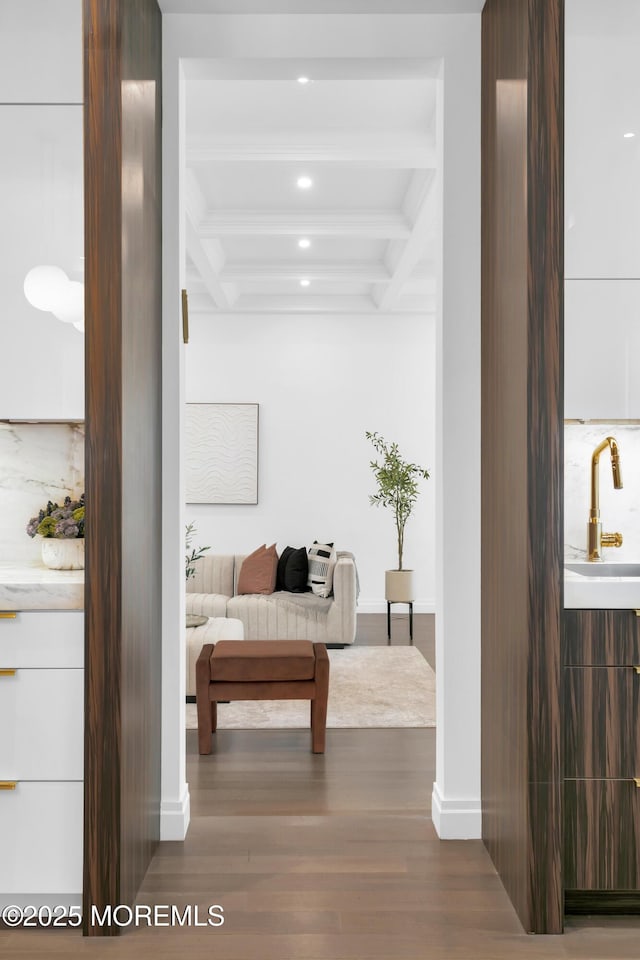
397,482
64,522
47,527
192,554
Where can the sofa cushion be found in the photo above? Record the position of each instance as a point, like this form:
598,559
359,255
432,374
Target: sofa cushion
258,571
214,574
207,604
322,560
293,570
262,660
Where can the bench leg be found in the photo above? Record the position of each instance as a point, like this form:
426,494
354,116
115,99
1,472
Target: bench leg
205,720
319,702
214,716
206,715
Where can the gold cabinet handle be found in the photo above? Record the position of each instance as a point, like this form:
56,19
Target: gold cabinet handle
636,667
7,673
636,780
8,784
11,614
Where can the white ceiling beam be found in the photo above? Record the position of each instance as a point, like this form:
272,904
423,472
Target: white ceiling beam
195,204
384,224
402,153
335,305
423,200
351,271
221,294
207,256
304,303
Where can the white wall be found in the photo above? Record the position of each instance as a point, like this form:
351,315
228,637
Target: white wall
455,39
321,382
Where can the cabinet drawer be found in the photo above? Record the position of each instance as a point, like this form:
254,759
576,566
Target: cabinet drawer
41,725
43,639
41,839
601,835
601,726
601,637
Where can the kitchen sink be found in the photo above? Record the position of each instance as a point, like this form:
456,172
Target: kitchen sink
605,569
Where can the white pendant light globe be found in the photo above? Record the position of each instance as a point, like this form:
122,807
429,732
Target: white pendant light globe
49,289
43,285
69,302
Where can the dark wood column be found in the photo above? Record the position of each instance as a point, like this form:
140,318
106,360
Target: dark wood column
122,144
522,432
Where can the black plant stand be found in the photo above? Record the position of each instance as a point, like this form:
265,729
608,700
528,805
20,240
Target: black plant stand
410,605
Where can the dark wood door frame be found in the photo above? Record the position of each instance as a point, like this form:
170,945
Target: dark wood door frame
522,450
123,272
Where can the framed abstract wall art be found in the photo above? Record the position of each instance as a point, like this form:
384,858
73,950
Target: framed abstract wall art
221,452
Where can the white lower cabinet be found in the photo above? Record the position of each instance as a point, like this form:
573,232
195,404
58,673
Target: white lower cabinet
41,719
41,837
41,757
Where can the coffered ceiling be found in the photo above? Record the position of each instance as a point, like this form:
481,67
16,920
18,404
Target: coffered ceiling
360,234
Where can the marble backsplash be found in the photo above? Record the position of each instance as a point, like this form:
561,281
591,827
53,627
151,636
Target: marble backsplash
619,509
38,462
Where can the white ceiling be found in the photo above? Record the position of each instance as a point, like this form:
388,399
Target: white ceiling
364,131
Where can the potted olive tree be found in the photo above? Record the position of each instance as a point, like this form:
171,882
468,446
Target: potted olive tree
398,490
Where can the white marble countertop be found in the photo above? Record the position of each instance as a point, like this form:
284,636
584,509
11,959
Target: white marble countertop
602,593
32,586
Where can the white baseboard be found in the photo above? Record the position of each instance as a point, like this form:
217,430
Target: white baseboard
175,816
380,606
456,819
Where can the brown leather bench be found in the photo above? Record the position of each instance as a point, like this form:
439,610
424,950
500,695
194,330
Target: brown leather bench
262,670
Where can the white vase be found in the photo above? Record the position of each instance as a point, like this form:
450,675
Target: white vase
62,554
398,586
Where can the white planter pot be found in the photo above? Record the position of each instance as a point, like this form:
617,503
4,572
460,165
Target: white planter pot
60,554
398,586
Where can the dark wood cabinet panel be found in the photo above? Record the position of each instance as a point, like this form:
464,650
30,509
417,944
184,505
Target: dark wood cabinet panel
601,835
602,722
601,637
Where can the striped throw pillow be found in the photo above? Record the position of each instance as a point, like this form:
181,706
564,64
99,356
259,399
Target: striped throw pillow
322,560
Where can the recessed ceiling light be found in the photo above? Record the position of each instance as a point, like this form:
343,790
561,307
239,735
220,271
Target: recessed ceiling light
303,183
304,243
629,136
305,283
303,80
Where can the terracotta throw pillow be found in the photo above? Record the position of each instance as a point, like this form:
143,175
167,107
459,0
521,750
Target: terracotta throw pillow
258,571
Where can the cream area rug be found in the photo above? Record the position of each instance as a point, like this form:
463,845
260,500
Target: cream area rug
368,687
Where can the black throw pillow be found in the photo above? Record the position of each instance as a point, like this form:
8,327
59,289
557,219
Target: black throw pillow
293,570
282,566
296,571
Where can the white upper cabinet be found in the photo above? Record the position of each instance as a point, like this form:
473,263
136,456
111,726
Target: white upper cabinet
602,210
41,199
40,51
602,139
602,349
42,225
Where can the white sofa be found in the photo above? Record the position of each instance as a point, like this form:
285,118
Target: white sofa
281,615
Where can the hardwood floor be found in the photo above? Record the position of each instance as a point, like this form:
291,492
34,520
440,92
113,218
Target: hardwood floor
372,631
329,857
